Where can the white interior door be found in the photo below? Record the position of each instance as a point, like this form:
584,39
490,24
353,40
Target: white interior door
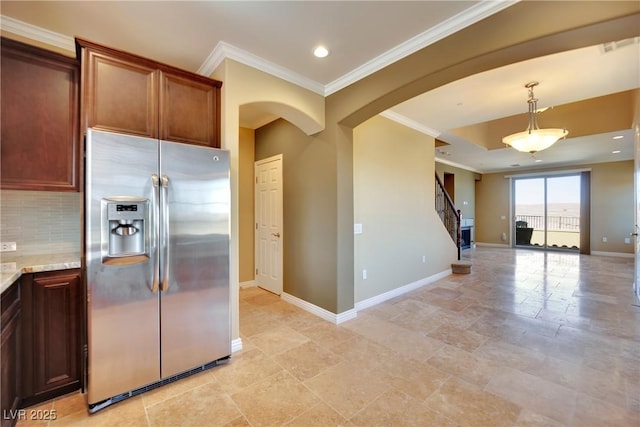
268,217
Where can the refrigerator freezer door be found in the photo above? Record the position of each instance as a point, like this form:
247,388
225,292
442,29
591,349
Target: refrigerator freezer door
123,306
195,321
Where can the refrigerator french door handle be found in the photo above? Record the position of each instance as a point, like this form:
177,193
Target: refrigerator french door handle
164,277
154,231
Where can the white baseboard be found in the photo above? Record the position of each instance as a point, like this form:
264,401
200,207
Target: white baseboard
493,245
248,284
236,345
370,302
616,254
319,311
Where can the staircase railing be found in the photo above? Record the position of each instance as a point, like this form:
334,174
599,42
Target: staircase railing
448,214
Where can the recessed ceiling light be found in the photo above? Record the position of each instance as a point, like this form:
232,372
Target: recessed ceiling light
618,137
615,152
320,52
538,160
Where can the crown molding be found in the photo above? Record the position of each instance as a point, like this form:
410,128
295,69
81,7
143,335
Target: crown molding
405,121
456,23
470,16
459,165
224,50
37,33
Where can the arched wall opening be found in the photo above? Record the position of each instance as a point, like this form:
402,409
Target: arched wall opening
325,159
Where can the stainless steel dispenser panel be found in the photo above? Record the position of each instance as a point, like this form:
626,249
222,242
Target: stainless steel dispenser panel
123,304
195,321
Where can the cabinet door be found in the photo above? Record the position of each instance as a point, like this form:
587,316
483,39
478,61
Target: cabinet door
39,119
10,354
119,95
51,311
189,110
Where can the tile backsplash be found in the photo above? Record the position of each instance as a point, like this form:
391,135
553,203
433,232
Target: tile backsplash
40,222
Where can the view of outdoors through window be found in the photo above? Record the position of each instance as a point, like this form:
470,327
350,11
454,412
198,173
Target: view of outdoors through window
547,211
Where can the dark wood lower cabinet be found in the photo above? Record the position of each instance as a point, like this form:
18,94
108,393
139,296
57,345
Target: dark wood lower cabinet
51,335
10,349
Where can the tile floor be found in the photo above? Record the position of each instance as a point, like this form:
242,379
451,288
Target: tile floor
526,339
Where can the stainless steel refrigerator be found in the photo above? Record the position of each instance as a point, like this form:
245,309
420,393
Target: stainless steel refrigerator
157,263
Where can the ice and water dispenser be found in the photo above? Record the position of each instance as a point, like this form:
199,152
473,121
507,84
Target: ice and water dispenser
125,227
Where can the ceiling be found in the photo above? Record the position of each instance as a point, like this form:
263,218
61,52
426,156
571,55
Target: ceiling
363,37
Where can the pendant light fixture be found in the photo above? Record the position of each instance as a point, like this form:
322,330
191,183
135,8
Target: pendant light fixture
534,139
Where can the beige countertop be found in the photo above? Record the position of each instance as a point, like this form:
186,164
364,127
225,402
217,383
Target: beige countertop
38,263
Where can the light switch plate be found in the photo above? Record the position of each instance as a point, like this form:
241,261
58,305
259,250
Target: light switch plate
357,228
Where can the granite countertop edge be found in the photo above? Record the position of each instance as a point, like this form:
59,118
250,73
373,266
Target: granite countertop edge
36,264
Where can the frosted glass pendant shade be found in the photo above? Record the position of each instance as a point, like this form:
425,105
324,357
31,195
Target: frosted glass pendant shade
534,140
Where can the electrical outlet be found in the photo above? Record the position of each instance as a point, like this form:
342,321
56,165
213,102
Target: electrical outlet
604,240
7,267
424,259
7,246
364,274
627,240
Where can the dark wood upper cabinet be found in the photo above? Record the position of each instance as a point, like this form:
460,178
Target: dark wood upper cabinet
39,119
126,93
120,95
189,110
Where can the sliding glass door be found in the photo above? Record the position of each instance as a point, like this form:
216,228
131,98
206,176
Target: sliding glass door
547,211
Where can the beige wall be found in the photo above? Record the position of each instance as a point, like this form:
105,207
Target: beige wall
464,188
246,202
309,212
393,191
612,204
512,35
492,209
243,85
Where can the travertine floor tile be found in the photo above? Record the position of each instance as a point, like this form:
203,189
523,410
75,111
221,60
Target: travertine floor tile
395,408
328,335
130,412
528,339
319,415
275,400
307,360
591,412
468,405
278,340
528,418
204,405
465,340
250,367
534,393
464,365
347,388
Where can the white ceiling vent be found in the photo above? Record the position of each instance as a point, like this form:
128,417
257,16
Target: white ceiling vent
611,46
